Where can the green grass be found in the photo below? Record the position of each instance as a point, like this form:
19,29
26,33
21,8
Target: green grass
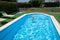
57,16
6,21
10,19
48,9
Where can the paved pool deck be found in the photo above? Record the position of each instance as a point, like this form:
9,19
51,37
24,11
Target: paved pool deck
57,25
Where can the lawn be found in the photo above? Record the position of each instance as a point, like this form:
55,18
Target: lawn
48,9
10,19
57,16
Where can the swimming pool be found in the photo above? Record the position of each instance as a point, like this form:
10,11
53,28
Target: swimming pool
35,26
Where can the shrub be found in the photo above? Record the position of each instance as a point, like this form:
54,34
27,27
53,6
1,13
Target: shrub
50,4
8,7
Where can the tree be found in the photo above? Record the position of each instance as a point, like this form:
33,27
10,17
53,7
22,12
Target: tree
40,1
10,0
36,3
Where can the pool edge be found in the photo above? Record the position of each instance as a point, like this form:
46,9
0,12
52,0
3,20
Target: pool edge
9,23
57,25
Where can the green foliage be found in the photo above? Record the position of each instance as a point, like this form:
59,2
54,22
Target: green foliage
36,3
52,4
9,0
41,1
11,7
8,6
24,5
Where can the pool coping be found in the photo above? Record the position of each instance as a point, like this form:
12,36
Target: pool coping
6,25
57,25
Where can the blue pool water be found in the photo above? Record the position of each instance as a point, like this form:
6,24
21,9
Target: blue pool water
31,27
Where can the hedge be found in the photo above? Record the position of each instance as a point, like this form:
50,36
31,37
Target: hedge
52,4
11,7
22,5
8,7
